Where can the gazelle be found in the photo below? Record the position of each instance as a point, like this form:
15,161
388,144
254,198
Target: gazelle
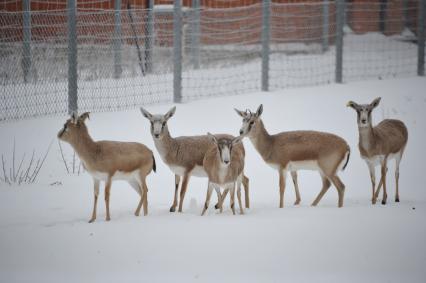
379,144
292,151
110,160
183,155
224,165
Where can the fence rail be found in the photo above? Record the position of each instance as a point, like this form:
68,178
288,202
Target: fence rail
58,56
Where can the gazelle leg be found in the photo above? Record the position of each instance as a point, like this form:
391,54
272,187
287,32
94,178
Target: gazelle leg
95,202
135,184
175,200
376,194
373,181
296,187
208,195
246,191
183,190
219,197
232,192
107,196
225,193
144,187
340,188
384,171
397,161
325,186
282,174
239,197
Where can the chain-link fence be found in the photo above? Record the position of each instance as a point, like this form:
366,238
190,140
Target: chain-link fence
102,55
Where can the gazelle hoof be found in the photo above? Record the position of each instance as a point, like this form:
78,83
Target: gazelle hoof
108,219
383,202
297,202
397,200
92,220
172,209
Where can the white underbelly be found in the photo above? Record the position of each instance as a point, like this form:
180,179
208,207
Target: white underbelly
377,159
118,175
198,171
298,165
303,165
274,166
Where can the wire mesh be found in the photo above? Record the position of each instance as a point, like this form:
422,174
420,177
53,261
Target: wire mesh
380,40
125,50
228,49
298,55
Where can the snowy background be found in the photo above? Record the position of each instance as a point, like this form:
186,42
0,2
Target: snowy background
225,70
45,237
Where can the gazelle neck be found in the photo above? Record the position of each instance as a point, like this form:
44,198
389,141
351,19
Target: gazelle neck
85,147
366,137
261,139
164,144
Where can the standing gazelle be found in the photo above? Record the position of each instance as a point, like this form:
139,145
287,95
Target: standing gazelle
110,160
183,155
378,144
292,151
224,165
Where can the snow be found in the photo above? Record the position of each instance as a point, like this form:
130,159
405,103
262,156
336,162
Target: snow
45,237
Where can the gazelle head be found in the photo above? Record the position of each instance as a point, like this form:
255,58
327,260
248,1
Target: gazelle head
158,122
73,127
224,146
364,112
250,120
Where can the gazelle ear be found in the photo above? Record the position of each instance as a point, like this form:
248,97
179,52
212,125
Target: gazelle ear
83,117
352,104
241,113
170,113
212,138
259,110
237,140
375,102
146,114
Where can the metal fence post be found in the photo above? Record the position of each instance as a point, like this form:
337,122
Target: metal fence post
339,39
26,52
72,56
195,32
177,51
149,37
382,15
325,25
266,38
117,39
421,39
405,12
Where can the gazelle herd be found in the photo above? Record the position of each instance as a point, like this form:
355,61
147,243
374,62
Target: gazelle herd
220,157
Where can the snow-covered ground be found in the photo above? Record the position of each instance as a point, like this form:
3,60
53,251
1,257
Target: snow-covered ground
45,237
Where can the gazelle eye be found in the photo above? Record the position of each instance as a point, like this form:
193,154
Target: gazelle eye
251,123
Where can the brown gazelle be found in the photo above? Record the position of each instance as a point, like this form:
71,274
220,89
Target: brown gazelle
224,165
110,160
183,155
292,151
379,144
